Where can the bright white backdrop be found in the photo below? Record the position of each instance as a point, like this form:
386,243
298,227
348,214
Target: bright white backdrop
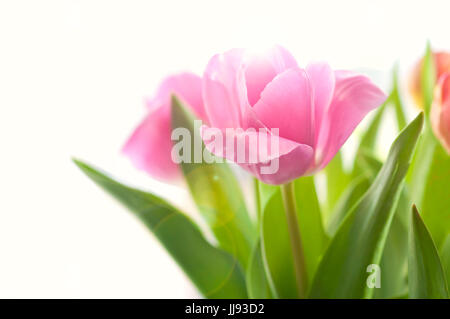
73,75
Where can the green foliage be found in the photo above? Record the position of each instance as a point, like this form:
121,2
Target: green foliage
367,215
216,273
360,239
257,282
426,275
216,192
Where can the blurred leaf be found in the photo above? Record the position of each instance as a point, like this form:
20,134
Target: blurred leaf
445,258
216,192
352,194
397,101
435,205
337,182
312,233
368,140
421,165
276,246
257,283
428,79
360,240
215,273
426,276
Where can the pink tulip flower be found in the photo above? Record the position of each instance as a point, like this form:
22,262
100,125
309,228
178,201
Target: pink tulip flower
314,109
440,111
150,145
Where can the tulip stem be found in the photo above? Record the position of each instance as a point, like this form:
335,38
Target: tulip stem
287,191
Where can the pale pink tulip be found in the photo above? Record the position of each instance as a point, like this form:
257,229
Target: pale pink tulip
315,109
150,145
440,111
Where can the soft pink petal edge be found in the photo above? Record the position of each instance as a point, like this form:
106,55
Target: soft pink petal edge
149,147
354,97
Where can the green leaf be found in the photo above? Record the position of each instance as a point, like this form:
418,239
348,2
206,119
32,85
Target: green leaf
215,272
397,101
360,240
428,79
351,196
421,165
394,261
337,182
435,205
445,258
394,258
426,276
368,140
313,236
257,283
215,191
275,244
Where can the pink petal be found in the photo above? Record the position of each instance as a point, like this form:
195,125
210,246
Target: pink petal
150,145
187,86
287,104
354,96
281,59
224,89
258,73
260,152
323,81
261,69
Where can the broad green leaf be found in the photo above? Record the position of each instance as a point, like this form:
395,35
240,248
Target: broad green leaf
426,277
275,244
394,261
337,182
421,165
215,191
312,233
435,206
257,283
360,240
216,273
445,258
394,258
428,79
352,194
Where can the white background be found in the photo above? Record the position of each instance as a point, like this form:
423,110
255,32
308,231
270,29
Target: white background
73,75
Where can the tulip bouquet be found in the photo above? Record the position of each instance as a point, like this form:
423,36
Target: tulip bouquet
382,228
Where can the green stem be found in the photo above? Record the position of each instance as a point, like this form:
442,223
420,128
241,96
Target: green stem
287,191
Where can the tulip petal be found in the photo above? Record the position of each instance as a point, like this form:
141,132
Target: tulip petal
323,81
224,89
286,103
258,73
261,69
281,59
274,160
187,86
150,145
354,96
